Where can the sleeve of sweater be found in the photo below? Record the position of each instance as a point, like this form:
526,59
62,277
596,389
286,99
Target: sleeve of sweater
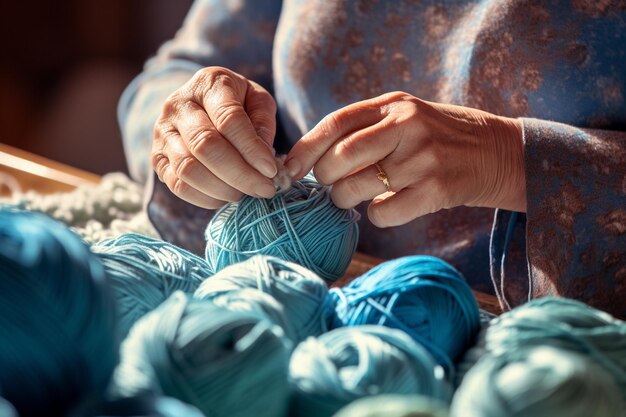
572,240
233,34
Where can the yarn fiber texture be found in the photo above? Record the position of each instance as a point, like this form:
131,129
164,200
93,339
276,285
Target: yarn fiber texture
421,295
57,318
538,382
302,295
393,405
328,372
144,272
300,225
565,324
225,363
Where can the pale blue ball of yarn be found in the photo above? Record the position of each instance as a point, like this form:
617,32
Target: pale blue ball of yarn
6,409
422,295
328,372
57,318
301,293
539,382
394,405
144,272
300,225
565,324
225,363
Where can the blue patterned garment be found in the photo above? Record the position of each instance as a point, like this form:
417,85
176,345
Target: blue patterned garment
558,65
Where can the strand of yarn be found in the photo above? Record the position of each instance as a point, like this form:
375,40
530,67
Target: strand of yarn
225,363
302,295
95,212
421,295
144,272
538,382
57,319
300,225
394,405
564,324
329,372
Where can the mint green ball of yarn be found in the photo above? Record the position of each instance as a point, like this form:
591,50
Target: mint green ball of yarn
393,405
348,363
537,382
300,225
225,363
302,295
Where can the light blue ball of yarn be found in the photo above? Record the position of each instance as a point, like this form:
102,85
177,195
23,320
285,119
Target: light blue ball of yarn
394,405
57,318
225,363
328,372
301,293
537,382
564,324
300,225
422,295
144,272
6,409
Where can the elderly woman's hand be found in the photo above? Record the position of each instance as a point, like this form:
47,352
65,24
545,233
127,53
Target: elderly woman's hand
213,140
435,156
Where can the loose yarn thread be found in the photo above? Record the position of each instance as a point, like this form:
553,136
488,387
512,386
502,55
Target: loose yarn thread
538,382
394,405
328,372
57,319
301,293
225,363
421,295
300,225
144,272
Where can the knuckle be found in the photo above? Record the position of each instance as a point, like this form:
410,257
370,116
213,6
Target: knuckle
201,143
178,187
377,215
227,115
351,187
185,167
331,124
350,148
321,175
159,161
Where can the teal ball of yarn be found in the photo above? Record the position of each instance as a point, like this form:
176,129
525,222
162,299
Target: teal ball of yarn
225,363
422,295
6,409
301,293
565,324
538,382
144,405
346,364
144,272
57,318
300,225
394,405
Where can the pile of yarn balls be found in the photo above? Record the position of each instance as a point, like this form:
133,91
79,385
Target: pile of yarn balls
253,329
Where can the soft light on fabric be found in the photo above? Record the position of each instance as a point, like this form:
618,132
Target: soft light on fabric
144,272
225,363
300,224
57,318
328,372
422,295
537,382
301,293
393,405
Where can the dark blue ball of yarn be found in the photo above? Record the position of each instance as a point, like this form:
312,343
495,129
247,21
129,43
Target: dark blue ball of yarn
57,319
422,295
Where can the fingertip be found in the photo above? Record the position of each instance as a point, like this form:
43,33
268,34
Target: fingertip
266,167
265,190
293,167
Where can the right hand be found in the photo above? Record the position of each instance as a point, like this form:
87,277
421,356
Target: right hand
213,140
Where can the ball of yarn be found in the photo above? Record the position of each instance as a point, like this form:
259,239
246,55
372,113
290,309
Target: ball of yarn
394,405
538,382
302,294
422,295
345,364
143,405
144,272
225,363
6,409
564,324
57,318
300,224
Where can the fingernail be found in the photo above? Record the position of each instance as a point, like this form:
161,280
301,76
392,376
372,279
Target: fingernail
267,168
293,167
265,190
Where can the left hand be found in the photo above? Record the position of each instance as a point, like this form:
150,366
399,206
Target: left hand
436,156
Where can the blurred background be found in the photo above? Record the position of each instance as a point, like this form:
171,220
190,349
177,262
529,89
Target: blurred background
64,65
